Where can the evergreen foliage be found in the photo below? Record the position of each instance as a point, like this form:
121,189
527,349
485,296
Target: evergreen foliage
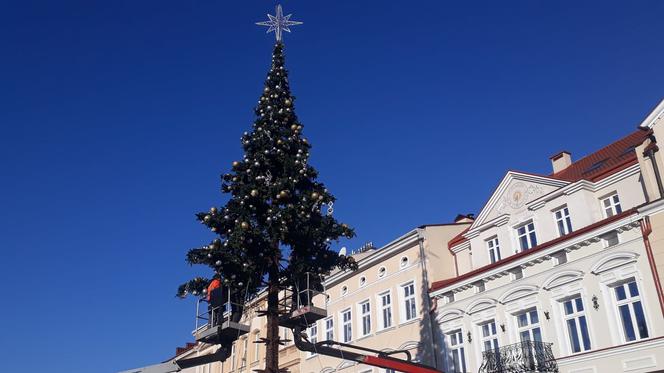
278,220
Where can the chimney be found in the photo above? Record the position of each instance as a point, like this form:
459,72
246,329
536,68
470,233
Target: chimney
561,161
468,218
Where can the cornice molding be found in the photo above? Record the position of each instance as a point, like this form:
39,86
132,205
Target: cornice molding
627,223
392,248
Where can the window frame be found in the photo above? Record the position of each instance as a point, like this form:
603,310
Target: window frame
245,353
629,301
576,315
564,222
615,206
329,328
491,337
403,302
458,348
493,249
530,236
530,326
381,308
364,316
346,323
256,347
313,337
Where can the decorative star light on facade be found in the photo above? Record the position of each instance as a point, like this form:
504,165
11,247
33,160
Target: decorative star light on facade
278,23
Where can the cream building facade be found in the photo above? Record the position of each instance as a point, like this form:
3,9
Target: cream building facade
384,305
558,271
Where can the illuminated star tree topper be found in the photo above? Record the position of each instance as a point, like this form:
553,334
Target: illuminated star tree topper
279,23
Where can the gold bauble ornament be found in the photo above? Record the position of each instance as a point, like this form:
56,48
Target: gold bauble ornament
236,163
287,102
293,127
207,218
244,225
314,195
213,210
254,193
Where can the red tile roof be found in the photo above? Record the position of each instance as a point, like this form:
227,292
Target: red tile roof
443,283
606,161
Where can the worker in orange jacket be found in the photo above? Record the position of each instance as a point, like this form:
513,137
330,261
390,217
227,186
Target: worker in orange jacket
215,299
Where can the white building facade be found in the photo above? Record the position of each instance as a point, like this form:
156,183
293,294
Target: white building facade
557,273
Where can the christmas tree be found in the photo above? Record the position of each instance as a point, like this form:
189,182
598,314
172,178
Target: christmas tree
277,224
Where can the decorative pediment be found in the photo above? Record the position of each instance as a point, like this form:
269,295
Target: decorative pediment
450,314
480,305
562,278
613,260
518,293
513,193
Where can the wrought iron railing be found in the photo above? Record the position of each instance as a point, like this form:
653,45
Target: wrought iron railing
523,357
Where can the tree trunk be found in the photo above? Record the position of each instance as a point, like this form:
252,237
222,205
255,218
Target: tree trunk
272,346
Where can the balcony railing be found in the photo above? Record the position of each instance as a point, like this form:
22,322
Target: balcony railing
523,357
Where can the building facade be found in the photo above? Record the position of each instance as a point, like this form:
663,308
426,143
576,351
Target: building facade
558,271
385,305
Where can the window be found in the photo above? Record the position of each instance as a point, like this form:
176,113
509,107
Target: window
611,205
381,272
527,238
563,221
404,262
313,337
385,302
245,349
577,327
494,249
489,338
256,346
365,318
528,326
363,281
610,239
233,357
458,356
410,309
628,301
346,325
344,290
329,329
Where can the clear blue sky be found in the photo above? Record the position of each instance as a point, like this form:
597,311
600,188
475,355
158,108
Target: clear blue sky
118,117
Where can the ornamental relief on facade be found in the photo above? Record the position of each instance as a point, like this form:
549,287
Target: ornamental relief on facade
517,196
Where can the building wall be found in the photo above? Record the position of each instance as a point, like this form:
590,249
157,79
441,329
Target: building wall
586,267
386,270
544,287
